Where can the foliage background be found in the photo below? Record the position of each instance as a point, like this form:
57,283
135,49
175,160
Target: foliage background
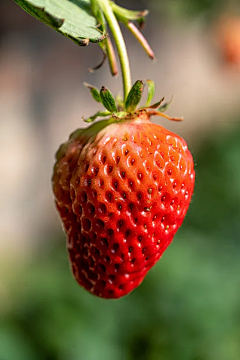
188,307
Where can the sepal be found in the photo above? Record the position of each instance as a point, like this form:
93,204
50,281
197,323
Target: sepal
151,92
108,100
134,96
97,115
94,91
165,106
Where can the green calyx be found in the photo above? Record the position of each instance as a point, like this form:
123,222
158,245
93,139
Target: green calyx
119,109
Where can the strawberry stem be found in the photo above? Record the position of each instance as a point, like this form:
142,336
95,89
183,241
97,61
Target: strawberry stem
120,44
111,56
139,36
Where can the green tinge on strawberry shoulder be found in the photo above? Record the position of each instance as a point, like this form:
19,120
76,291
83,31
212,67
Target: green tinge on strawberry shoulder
122,190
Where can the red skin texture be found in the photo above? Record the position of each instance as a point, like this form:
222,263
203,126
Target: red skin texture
122,197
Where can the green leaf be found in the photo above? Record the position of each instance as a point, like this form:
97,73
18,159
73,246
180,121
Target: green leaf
154,106
98,114
134,96
108,100
71,18
94,91
165,106
151,92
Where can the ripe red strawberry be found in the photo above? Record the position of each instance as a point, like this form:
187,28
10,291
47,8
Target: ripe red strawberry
122,190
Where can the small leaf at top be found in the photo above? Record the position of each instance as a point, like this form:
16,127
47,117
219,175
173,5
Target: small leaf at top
134,96
151,92
94,91
71,18
108,100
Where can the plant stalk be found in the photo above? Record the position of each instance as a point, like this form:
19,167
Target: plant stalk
120,44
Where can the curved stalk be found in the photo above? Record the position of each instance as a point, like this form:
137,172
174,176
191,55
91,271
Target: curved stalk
120,44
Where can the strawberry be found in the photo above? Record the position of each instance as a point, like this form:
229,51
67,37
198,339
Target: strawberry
122,189
228,35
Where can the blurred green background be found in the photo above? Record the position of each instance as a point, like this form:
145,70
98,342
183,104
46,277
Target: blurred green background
188,307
